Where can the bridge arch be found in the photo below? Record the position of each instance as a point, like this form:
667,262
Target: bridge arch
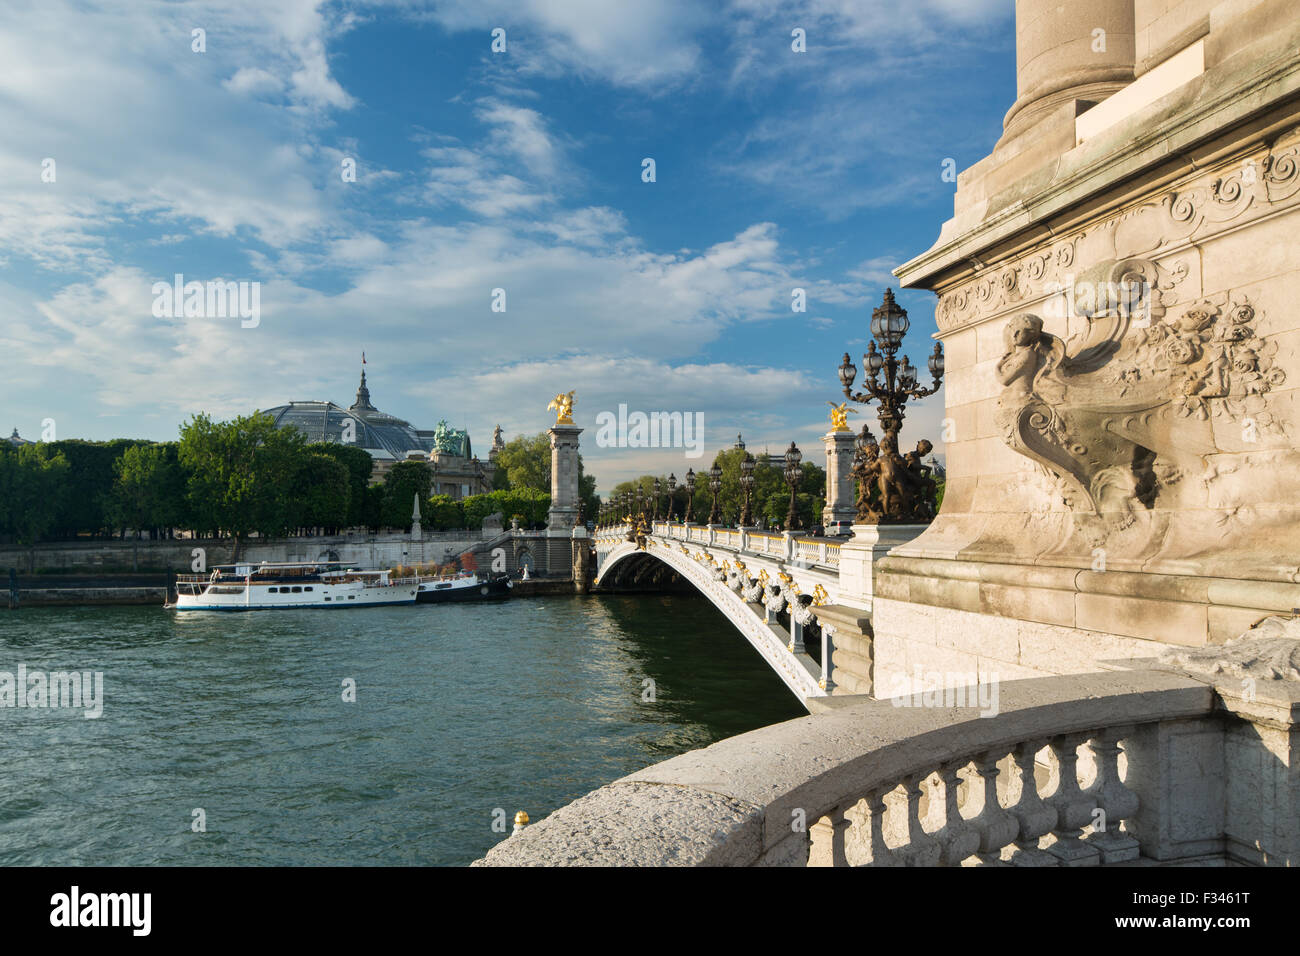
797,671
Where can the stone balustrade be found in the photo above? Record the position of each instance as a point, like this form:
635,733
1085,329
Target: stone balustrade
1094,769
812,551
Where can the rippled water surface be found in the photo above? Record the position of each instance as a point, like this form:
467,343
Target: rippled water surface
460,710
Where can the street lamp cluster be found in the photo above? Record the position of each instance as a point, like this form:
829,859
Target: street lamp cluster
636,505
903,483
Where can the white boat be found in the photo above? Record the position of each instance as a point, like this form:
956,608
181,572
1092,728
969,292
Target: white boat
265,586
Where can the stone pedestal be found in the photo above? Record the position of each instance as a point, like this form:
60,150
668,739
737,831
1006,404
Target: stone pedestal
1122,352
582,559
841,501
564,477
858,555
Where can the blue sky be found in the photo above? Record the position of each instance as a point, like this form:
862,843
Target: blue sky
478,170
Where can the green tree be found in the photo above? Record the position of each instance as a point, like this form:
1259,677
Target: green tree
404,481
32,481
145,488
525,462
373,510
241,474
86,492
360,466
770,497
443,513
322,492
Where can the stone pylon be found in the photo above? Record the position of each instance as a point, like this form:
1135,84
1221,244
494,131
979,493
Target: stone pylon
564,477
841,501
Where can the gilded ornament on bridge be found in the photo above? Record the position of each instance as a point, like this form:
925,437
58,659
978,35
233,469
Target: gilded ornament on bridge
820,595
840,416
563,408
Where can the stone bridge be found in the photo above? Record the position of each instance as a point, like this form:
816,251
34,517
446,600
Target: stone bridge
777,589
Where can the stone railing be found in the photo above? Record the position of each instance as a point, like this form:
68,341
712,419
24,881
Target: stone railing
1078,770
813,552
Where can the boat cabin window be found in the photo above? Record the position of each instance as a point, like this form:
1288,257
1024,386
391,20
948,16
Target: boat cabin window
297,589
272,590
307,588
439,587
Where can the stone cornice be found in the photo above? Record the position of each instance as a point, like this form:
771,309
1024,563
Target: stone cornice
1134,147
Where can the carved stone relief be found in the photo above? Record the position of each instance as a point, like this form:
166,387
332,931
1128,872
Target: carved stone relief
1138,402
1269,651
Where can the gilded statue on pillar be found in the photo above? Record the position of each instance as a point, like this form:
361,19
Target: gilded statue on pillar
562,405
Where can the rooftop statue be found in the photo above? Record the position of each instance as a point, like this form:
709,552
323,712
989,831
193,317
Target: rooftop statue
449,440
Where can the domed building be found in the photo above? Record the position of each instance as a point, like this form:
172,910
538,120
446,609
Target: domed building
388,439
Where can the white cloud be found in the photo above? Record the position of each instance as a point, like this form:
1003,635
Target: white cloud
254,81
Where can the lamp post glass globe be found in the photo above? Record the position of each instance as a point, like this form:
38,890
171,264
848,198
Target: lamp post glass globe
936,362
889,323
848,372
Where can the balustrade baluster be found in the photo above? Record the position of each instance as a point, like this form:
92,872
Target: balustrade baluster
1115,801
961,838
1036,818
995,825
921,849
881,854
1073,806
827,836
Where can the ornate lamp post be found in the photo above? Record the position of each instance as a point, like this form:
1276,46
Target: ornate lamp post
690,495
793,475
901,480
747,489
672,487
715,485
640,503
657,487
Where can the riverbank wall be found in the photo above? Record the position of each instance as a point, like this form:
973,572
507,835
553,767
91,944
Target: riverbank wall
188,555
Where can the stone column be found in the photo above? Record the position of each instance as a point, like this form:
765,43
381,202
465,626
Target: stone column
827,683
841,501
1061,57
417,532
564,477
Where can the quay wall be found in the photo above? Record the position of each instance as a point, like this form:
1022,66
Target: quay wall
178,555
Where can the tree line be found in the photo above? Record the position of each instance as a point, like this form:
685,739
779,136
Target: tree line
243,477
769,499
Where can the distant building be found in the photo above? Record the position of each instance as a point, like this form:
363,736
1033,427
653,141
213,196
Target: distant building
388,439
15,439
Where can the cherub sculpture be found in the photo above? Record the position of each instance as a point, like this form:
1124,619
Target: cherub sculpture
923,485
866,470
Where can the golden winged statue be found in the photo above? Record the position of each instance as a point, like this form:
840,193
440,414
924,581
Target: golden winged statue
563,406
840,416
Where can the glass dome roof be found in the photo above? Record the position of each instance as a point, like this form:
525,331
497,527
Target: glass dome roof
363,425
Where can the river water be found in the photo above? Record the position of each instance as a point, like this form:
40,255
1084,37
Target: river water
463,715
